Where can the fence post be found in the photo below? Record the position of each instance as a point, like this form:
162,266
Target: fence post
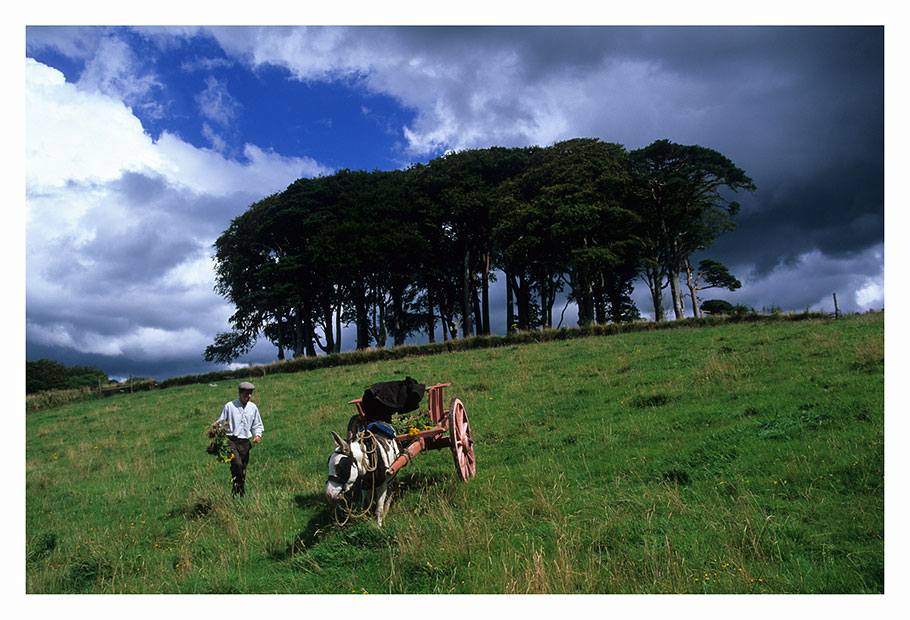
836,311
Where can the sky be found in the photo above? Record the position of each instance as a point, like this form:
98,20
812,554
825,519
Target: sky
142,143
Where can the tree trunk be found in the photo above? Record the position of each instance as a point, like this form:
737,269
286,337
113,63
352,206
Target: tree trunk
379,324
278,328
671,260
475,305
467,327
547,299
674,261
657,298
298,334
693,289
510,311
431,318
601,301
584,298
543,294
522,297
676,294
308,332
397,319
653,279
329,332
485,293
362,318
338,309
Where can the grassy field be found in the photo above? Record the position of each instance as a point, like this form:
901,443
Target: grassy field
745,458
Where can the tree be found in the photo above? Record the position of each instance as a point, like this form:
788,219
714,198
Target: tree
563,220
710,274
309,294
46,374
228,346
395,252
240,259
266,266
439,278
465,185
679,194
392,226
717,306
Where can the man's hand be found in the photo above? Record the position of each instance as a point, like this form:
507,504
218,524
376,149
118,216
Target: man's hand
256,439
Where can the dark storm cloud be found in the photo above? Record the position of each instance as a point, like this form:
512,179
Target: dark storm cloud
119,366
839,212
814,54
801,110
542,49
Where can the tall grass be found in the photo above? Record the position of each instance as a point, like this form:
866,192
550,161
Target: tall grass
743,458
49,399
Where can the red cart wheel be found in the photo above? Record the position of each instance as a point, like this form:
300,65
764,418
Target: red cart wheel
461,442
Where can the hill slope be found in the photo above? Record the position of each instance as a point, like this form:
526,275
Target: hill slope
740,458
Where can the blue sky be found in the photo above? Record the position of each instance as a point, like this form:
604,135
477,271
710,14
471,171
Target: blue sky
143,143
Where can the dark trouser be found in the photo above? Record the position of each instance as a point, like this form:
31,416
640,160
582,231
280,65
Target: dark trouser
241,457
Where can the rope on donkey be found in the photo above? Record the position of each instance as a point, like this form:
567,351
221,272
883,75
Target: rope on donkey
371,458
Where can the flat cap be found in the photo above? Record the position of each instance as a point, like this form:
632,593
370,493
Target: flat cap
246,385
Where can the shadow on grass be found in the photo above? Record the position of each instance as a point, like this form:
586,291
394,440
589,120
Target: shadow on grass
422,482
321,521
324,519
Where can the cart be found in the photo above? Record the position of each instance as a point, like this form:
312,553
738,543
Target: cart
453,421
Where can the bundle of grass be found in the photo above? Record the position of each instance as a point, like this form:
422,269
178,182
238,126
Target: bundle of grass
413,424
218,443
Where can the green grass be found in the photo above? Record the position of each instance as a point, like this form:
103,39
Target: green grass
742,458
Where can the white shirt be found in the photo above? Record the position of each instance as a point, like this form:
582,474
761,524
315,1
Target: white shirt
242,422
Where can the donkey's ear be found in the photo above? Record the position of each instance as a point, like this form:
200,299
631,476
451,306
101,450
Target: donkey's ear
341,443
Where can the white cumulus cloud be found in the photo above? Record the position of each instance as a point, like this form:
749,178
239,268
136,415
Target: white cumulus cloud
119,226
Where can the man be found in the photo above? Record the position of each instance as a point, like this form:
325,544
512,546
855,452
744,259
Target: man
243,422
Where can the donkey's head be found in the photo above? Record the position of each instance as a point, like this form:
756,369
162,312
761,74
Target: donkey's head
343,470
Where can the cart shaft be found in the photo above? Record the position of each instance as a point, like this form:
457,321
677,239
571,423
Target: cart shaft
425,440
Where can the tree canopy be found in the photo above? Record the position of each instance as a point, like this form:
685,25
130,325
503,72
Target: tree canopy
45,374
395,253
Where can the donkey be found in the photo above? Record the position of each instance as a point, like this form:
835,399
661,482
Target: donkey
362,462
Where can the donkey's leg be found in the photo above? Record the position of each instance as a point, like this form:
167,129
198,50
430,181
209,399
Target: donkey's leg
381,504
